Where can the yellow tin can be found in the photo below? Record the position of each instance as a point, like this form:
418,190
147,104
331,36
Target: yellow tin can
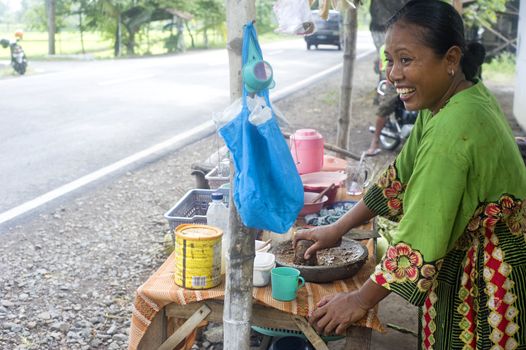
197,256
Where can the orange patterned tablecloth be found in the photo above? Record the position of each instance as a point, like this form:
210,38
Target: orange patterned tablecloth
160,290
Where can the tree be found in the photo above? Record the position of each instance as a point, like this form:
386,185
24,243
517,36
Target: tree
209,15
265,16
237,310
349,55
3,10
51,25
483,10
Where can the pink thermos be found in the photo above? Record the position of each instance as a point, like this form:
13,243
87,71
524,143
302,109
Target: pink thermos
306,146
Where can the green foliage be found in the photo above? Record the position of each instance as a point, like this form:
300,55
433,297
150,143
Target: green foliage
265,21
501,68
483,10
3,10
35,14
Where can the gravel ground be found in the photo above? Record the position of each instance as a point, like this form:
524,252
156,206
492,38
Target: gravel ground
69,272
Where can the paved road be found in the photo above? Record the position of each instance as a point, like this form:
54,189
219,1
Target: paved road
69,119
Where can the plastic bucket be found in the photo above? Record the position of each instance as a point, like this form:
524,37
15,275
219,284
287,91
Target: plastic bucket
291,343
198,256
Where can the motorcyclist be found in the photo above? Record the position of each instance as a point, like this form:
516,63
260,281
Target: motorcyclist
387,105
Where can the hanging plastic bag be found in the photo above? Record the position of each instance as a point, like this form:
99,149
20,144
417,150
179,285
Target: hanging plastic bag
294,17
267,189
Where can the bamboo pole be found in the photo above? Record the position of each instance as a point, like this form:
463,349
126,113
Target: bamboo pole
349,55
240,240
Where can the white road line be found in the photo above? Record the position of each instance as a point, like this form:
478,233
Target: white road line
195,133
125,80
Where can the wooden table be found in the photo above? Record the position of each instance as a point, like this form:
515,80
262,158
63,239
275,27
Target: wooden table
357,338
165,329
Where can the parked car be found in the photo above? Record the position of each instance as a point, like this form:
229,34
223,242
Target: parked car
328,32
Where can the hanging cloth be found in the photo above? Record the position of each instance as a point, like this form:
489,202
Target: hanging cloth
267,189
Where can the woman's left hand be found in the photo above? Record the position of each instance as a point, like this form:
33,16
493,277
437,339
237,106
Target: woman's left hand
336,313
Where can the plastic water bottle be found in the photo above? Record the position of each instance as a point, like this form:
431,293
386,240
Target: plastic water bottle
217,216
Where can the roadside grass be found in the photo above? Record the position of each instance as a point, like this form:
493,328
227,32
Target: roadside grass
501,69
68,44
35,44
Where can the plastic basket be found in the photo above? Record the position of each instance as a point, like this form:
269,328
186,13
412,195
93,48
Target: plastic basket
192,207
214,180
280,332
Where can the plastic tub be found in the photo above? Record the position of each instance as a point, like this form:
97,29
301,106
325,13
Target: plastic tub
263,264
331,163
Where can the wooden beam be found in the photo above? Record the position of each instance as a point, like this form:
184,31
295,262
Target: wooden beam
310,333
331,147
457,4
499,35
188,327
262,316
155,334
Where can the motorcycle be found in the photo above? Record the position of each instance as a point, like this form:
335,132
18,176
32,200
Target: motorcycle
398,125
18,57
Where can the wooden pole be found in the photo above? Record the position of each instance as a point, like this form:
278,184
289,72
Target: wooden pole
240,240
457,4
349,56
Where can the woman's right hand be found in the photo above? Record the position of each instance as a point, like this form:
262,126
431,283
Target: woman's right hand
323,237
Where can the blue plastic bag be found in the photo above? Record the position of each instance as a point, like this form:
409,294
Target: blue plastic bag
267,189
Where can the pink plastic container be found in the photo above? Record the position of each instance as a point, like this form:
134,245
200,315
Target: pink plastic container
306,146
331,163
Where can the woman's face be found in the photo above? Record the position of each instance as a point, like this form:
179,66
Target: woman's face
421,77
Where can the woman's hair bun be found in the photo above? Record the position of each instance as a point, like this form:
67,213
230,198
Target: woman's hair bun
477,51
472,60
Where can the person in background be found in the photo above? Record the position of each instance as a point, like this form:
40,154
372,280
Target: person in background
521,143
387,106
458,191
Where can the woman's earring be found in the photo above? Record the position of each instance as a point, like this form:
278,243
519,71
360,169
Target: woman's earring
451,73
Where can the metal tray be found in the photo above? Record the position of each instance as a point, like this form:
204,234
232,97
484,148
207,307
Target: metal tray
323,273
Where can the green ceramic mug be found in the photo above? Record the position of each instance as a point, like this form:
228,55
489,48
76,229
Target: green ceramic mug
285,283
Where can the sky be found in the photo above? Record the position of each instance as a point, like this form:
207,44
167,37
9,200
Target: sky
13,5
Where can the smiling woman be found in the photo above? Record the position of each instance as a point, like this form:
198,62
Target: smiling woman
458,191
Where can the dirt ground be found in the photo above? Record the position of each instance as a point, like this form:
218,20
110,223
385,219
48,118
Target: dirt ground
318,108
